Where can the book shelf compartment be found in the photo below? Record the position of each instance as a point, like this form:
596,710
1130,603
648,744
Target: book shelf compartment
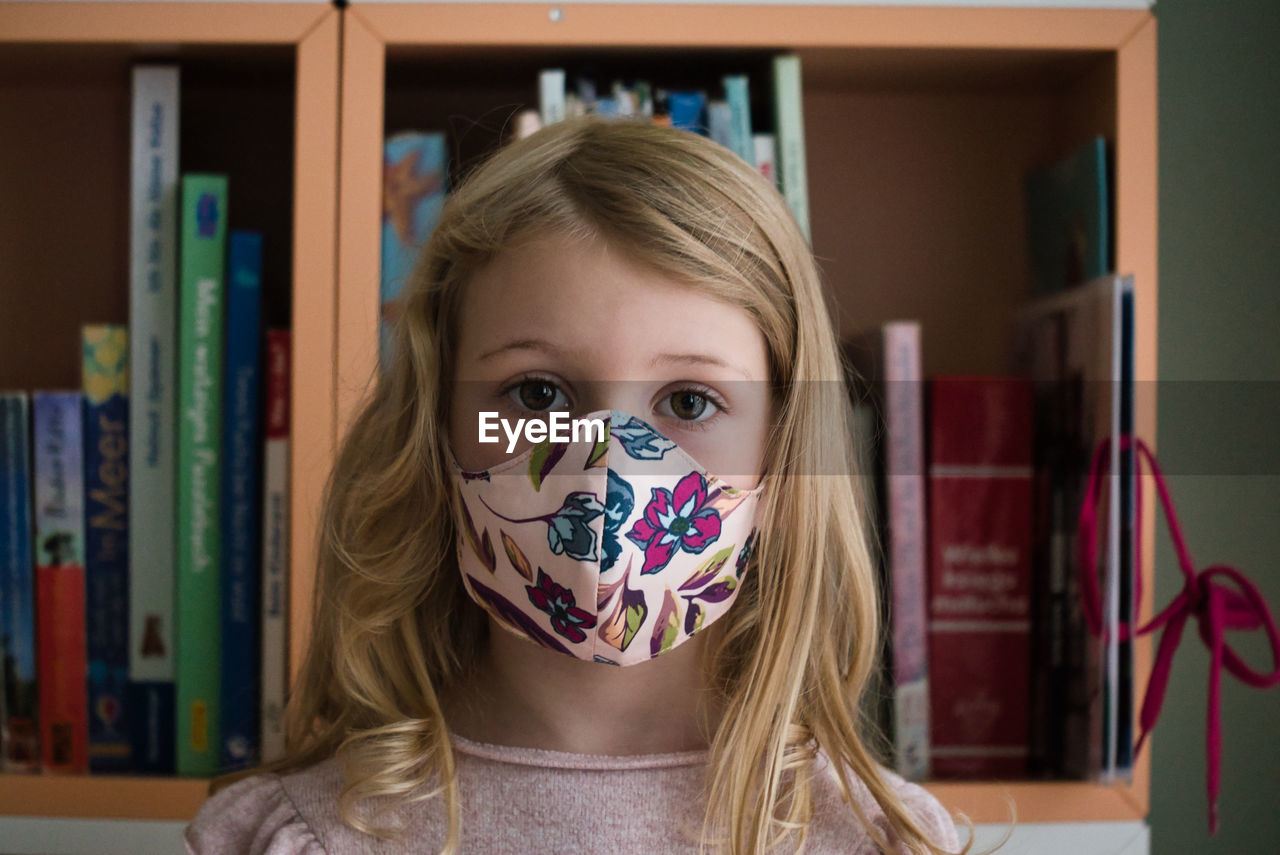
917,152
64,161
259,100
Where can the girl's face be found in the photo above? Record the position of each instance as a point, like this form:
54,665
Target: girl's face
565,324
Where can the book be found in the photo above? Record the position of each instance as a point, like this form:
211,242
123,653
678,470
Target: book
241,553
688,110
105,379
414,179
765,147
275,544
59,537
19,738
887,360
720,122
153,252
199,638
551,95
1069,219
1070,345
789,127
737,91
979,575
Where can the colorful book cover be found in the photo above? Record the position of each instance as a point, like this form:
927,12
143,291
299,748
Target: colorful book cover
789,118
19,739
105,375
1069,219
275,544
737,91
153,253
414,177
979,576
59,531
1067,343
199,596
887,360
240,495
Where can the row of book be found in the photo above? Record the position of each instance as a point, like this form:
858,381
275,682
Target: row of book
416,163
978,482
145,524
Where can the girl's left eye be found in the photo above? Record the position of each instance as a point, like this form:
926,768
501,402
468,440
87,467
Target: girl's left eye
688,405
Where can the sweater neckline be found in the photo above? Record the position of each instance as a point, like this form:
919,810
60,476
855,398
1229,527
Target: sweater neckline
552,759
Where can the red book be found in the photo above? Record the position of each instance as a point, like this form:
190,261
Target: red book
61,664
980,533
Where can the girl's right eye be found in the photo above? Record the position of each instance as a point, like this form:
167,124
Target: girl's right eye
537,395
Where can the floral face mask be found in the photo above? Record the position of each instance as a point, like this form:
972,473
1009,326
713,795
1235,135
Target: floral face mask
612,550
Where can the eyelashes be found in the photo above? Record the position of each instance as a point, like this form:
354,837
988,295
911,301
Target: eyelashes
688,405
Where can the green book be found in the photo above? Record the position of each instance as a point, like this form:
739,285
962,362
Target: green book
198,642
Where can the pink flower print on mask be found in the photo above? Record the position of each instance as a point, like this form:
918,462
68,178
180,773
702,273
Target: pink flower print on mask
675,520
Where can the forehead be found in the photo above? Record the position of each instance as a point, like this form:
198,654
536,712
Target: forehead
609,313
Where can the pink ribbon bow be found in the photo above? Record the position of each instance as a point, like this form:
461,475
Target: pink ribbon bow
1206,596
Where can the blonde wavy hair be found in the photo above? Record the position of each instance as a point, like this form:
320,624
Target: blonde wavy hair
392,625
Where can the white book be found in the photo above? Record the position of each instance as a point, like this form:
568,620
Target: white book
275,544
153,235
766,158
789,115
551,95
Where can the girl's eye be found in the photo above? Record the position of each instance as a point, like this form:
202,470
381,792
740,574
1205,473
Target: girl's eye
537,395
690,406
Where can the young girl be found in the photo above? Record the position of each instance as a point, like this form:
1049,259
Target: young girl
647,635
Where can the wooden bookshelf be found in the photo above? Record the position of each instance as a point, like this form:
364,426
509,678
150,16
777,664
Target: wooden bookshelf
920,124
259,100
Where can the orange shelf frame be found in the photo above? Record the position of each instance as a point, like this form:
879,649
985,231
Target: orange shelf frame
312,30
371,31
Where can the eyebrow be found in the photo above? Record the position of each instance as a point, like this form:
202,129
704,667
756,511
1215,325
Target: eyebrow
698,359
522,344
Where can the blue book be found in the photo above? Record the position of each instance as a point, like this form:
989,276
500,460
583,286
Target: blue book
688,111
18,702
241,486
415,176
106,542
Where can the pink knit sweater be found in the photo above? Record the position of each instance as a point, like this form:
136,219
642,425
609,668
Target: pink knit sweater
526,800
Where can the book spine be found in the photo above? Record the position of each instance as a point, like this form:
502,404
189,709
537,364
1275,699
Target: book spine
980,524
415,176
790,131
905,515
105,372
19,740
551,101
199,637
737,92
720,122
59,528
153,227
275,544
240,495
766,156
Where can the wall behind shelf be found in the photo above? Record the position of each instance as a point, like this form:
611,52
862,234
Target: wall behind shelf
1219,312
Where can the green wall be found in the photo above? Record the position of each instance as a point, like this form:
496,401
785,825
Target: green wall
1219,321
